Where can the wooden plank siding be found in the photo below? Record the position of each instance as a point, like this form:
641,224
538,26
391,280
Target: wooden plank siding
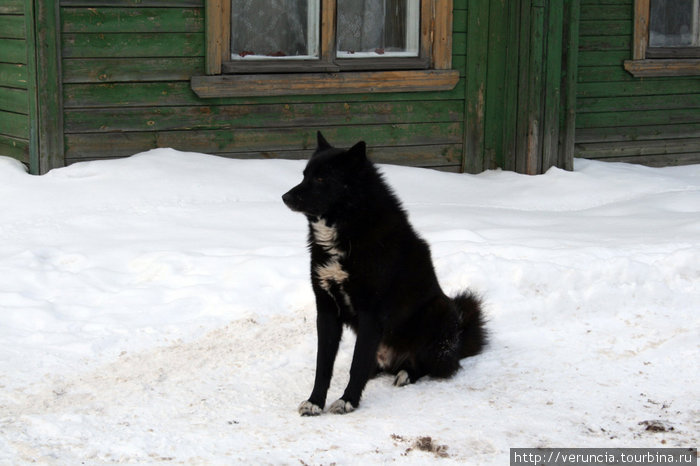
126,69
654,121
14,82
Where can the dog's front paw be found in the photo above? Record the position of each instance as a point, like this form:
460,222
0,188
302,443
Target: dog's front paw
307,408
341,407
402,378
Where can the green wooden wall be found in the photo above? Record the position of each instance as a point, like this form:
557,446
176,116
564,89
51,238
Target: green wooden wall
16,81
126,66
520,92
654,121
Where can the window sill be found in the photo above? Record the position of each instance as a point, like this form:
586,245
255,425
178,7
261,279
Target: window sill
663,67
323,83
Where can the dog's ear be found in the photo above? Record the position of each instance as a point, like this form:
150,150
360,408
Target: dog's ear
358,152
321,142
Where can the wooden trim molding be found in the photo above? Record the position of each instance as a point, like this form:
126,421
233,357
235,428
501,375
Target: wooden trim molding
640,36
324,83
663,67
270,80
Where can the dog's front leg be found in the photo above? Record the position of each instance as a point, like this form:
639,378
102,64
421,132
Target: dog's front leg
329,329
364,363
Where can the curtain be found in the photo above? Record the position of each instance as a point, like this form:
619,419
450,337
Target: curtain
273,28
371,26
673,23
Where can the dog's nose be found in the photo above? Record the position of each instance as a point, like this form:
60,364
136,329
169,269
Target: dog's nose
286,198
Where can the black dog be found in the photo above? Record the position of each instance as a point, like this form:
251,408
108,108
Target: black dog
371,271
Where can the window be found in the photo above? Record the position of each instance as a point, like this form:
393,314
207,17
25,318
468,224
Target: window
673,29
282,47
666,38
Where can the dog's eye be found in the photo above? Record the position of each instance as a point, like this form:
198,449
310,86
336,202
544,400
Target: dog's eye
318,179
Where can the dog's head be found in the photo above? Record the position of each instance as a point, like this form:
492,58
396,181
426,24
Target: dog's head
328,178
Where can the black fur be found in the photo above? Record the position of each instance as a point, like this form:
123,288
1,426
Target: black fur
371,271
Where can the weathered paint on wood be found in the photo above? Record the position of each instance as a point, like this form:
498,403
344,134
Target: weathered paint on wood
179,93
15,147
358,82
12,7
49,95
120,45
126,69
103,145
126,20
627,118
14,124
13,75
13,51
638,103
14,100
15,81
12,27
135,3
251,116
637,133
97,70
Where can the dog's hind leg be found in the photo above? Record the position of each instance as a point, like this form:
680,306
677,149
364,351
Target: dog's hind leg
329,329
363,363
408,373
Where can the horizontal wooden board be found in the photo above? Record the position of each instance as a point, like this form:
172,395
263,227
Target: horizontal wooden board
590,74
13,75
16,148
94,70
12,27
180,93
441,155
459,21
14,124
13,51
664,160
606,58
605,43
113,20
252,116
134,3
606,27
12,7
650,86
638,103
648,117
14,100
597,3
637,148
358,82
104,145
611,10
638,133
133,45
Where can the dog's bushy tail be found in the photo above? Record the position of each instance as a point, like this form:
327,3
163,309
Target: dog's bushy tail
472,322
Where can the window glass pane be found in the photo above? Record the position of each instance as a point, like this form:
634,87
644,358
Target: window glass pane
377,28
674,23
274,29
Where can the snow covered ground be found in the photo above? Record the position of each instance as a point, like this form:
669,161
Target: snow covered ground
157,309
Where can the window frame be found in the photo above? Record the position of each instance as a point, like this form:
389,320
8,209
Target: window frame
651,62
430,71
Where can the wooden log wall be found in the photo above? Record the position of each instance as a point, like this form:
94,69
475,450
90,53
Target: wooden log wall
654,121
16,83
127,64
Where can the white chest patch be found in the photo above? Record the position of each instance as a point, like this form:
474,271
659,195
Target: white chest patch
330,272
